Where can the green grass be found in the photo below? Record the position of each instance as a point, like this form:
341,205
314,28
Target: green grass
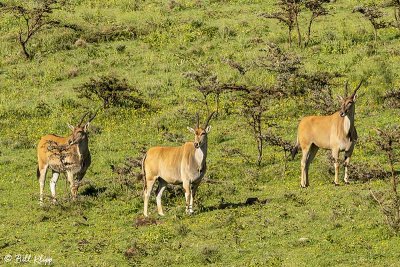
322,225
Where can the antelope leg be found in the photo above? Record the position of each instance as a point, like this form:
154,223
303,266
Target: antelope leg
53,183
146,193
186,187
161,187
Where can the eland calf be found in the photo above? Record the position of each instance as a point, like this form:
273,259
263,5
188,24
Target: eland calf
69,155
184,165
335,132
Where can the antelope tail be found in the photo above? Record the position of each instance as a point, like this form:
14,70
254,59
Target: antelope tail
295,149
37,173
143,174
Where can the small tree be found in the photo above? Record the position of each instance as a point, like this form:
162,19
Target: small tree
257,98
388,141
288,15
207,84
34,20
255,101
374,15
111,91
396,5
286,67
317,10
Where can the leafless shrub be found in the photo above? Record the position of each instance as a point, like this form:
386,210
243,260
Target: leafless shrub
362,172
207,84
392,97
129,172
273,139
128,167
235,65
254,106
255,99
388,141
320,85
286,66
365,172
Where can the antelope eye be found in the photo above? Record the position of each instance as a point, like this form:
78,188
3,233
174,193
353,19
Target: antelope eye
203,133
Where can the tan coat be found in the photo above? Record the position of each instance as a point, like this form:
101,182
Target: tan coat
184,165
68,155
335,132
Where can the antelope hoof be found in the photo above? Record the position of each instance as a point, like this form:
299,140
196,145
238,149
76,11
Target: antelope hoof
54,200
160,214
346,182
336,184
190,212
41,204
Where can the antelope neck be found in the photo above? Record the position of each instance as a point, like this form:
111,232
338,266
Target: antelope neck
348,121
200,154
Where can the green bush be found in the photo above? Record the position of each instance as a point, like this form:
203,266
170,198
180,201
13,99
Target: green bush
112,91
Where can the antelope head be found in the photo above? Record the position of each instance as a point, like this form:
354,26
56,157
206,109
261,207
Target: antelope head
200,132
80,132
348,102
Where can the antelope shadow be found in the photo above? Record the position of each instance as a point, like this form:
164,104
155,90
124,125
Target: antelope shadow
232,205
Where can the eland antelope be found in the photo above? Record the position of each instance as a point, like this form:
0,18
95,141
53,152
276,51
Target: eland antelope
69,155
184,165
335,132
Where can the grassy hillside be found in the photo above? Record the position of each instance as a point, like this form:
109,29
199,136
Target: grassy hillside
152,44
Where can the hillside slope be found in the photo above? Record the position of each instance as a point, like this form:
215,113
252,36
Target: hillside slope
153,44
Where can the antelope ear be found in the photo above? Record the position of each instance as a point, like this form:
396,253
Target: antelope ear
71,127
355,97
191,130
208,129
85,128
